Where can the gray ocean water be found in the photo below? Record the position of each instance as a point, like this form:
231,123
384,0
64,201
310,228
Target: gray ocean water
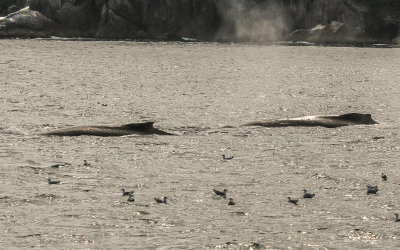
201,92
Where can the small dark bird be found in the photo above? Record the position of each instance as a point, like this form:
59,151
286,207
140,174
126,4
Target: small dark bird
53,182
125,193
158,200
307,195
384,177
292,201
227,158
397,218
85,163
372,189
219,193
130,198
231,202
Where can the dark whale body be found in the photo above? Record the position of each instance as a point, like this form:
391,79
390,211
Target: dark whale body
145,128
328,121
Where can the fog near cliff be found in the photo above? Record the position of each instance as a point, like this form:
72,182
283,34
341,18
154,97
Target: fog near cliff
248,21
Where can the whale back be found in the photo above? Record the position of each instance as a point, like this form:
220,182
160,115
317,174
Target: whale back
145,128
328,121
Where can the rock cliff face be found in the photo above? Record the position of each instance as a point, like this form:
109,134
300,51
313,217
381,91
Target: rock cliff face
156,19
26,23
212,20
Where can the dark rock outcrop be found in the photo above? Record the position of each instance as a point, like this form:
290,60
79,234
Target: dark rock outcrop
333,21
335,32
26,23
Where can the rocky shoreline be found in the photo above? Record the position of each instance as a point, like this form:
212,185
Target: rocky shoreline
255,21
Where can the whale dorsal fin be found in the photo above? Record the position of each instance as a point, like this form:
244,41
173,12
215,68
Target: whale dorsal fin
357,118
140,126
350,116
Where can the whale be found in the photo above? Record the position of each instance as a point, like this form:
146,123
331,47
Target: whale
144,128
327,121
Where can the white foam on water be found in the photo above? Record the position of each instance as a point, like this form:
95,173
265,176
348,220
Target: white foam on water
13,131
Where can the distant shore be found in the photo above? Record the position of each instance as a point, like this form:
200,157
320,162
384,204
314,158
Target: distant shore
252,21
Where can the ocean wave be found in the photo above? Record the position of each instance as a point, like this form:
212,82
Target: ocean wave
13,131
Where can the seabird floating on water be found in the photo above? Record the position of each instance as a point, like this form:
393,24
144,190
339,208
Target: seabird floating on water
384,177
227,158
130,198
307,195
158,200
125,193
53,182
219,193
292,201
231,202
372,189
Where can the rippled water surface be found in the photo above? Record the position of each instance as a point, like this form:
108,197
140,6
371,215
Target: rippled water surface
201,92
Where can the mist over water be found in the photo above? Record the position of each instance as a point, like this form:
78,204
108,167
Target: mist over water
201,92
255,22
